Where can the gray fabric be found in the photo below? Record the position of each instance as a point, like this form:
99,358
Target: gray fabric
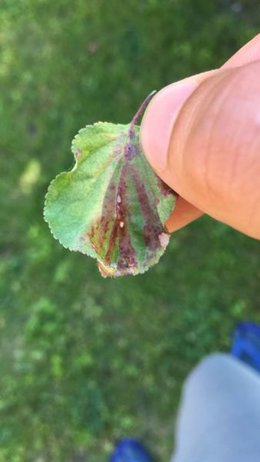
219,417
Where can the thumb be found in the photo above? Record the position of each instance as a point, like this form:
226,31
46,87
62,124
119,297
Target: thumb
208,148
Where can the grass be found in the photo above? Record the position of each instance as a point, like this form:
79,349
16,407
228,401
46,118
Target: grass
86,360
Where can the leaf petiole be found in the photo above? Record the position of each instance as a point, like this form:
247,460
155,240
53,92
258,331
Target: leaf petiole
139,113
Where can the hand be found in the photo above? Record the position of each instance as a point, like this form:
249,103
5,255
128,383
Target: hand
202,137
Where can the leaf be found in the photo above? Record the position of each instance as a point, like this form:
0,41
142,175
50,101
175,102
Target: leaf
111,205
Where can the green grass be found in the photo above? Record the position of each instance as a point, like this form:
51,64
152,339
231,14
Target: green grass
86,360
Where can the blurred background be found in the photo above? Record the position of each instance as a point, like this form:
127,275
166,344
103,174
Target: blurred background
85,360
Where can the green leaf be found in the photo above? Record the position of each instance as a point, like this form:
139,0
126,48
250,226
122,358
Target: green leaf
111,205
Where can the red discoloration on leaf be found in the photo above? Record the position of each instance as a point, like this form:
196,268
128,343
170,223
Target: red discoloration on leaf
164,188
130,151
112,228
152,226
103,229
127,255
110,235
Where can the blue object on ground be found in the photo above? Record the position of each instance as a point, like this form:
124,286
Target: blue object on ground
130,450
246,344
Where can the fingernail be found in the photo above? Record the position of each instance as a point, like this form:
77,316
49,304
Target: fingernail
159,118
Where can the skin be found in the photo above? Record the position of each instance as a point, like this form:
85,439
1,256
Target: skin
202,137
